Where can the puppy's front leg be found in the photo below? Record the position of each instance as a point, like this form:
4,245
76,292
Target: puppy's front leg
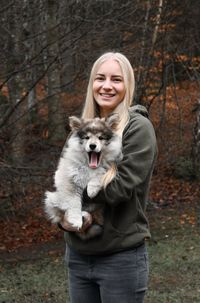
94,186
74,218
73,214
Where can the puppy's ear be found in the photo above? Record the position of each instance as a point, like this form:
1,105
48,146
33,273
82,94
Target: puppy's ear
112,121
75,122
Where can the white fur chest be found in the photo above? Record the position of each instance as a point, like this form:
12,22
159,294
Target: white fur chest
80,176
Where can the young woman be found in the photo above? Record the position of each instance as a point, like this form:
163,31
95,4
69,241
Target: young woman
114,267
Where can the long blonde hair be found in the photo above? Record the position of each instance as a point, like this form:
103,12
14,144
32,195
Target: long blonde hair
91,110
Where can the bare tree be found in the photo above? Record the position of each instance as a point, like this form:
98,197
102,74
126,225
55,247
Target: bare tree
54,43
15,84
55,109
196,145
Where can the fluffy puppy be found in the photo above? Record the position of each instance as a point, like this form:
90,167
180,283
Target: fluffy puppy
93,147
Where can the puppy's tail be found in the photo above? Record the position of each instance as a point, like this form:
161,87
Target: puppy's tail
51,207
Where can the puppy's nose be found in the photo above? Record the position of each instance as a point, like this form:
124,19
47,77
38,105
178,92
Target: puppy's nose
92,146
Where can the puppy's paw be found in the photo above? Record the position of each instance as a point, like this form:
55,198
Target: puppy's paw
92,190
75,220
87,217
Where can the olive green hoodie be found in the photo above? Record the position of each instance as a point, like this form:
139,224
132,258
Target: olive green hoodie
125,198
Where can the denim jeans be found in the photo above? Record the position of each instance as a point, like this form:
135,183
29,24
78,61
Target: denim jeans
121,277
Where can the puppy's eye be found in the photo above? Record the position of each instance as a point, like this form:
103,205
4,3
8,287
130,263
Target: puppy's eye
86,137
101,138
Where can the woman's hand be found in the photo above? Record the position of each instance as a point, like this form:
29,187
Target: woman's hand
87,221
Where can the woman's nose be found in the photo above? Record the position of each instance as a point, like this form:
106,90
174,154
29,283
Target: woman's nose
107,84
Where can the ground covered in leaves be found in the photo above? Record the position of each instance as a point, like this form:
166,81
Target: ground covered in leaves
38,274
27,225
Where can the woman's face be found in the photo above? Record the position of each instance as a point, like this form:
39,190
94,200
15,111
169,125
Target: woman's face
108,87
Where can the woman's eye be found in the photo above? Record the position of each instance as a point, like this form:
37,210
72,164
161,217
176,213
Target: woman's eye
117,80
99,78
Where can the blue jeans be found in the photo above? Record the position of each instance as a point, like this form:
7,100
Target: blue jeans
121,277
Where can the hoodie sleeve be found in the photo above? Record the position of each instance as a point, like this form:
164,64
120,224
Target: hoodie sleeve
139,153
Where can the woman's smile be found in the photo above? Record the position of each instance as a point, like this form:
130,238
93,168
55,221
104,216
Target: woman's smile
106,96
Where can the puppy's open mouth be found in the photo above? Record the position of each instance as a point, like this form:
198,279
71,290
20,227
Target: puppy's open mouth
94,159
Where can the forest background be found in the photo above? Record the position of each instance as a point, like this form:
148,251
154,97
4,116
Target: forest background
47,48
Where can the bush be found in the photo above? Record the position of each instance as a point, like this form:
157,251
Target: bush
185,169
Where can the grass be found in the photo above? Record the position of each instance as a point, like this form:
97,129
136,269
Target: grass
174,271
174,267
174,258
39,281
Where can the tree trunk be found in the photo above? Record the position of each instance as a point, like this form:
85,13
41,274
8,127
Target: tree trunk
30,28
55,108
196,147
18,120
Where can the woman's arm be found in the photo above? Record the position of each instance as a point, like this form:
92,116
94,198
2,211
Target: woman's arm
139,153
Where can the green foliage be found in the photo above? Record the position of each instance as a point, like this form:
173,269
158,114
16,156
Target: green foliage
185,169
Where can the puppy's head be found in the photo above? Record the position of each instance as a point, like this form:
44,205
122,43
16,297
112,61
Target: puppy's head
94,135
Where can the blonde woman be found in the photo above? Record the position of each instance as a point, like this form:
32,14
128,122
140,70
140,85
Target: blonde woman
114,266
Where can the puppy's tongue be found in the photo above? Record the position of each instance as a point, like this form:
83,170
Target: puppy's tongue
93,160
